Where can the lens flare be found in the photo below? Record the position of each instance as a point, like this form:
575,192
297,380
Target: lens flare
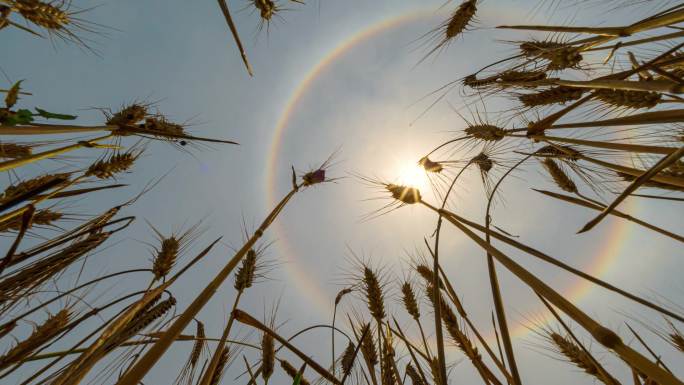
412,175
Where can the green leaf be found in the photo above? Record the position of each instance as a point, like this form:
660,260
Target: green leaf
20,117
297,379
51,115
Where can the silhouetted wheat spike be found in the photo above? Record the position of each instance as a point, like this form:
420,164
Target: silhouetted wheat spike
14,151
245,274
143,320
373,292
35,274
460,338
347,359
560,177
116,163
555,95
388,377
677,340
409,299
44,217
578,357
218,373
292,372
166,257
267,356
413,375
12,191
42,334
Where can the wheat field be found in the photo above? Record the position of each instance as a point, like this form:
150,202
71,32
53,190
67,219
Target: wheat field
394,192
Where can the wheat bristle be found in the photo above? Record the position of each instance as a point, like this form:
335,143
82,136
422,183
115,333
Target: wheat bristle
677,340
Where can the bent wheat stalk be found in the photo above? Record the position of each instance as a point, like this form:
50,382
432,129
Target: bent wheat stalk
661,165
14,163
666,179
27,217
236,36
603,335
50,129
607,145
625,85
662,20
44,356
568,268
653,117
247,319
595,206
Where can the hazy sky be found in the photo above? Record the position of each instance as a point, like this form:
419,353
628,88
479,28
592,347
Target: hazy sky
331,78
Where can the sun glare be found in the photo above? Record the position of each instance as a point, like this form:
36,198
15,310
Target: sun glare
412,175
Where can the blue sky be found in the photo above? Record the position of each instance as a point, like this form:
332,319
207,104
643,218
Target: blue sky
181,55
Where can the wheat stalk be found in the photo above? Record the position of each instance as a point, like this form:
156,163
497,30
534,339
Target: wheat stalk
603,335
137,372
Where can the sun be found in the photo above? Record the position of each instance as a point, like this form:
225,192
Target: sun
412,175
